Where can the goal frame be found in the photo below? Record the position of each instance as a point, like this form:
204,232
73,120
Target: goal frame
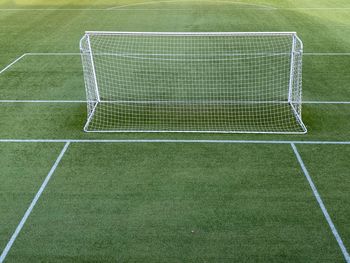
123,33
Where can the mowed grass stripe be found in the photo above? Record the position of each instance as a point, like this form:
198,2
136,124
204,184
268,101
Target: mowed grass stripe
321,204
12,63
82,101
44,77
179,141
23,168
58,76
329,167
66,120
332,37
177,203
32,205
121,8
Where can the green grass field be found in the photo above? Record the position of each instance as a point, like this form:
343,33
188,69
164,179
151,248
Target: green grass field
70,196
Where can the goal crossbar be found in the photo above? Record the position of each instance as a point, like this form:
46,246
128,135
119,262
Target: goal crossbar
190,33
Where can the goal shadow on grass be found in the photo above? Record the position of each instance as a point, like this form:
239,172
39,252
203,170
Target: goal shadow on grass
194,117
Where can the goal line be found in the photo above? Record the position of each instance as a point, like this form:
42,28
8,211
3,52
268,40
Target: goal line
78,54
171,141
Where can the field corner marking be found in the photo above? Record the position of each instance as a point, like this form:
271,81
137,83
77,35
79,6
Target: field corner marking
321,204
32,204
12,63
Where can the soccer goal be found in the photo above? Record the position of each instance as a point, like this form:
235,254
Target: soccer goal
232,82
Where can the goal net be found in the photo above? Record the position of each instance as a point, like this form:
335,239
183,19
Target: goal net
193,82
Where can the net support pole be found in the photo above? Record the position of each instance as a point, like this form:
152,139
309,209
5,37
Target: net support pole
291,74
93,68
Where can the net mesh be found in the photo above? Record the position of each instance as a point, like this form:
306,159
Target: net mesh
193,82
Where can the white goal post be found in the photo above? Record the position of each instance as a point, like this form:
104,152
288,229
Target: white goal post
222,82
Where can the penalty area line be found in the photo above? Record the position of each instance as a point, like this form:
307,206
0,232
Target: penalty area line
33,203
12,63
43,101
325,102
321,204
326,54
53,54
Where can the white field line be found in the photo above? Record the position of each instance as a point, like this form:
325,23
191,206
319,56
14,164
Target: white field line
315,8
325,102
12,63
103,9
170,141
43,101
35,54
326,54
83,101
33,203
78,54
321,204
118,8
52,54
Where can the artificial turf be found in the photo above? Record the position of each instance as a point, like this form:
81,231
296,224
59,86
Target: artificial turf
330,167
177,203
141,202
23,168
